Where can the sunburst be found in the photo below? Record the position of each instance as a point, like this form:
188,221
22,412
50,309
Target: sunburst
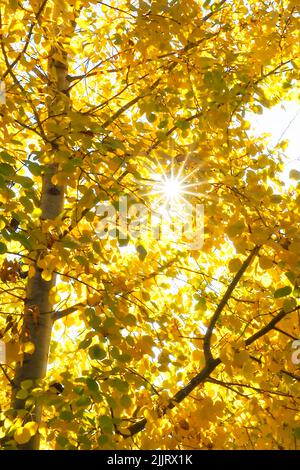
172,188
174,194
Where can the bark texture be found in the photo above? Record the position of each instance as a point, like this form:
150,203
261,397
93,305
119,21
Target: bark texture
38,320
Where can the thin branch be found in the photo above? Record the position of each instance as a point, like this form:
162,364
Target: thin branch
11,66
74,278
226,297
204,374
269,326
285,333
129,104
67,311
290,374
144,378
18,84
214,11
178,397
12,383
228,386
251,387
171,130
117,9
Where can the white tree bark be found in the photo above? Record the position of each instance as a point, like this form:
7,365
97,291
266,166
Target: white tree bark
38,330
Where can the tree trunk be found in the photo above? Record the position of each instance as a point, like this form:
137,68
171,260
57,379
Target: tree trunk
37,328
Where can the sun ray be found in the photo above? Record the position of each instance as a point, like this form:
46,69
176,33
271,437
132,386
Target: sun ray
172,187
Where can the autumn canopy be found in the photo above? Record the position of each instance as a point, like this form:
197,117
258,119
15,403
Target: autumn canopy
147,338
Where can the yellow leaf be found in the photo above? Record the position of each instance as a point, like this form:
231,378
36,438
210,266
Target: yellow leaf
12,351
235,229
46,275
295,246
265,262
43,429
22,435
240,358
28,347
227,354
197,355
234,265
32,427
31,272
36,213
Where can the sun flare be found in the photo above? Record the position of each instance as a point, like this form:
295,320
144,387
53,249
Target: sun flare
171,188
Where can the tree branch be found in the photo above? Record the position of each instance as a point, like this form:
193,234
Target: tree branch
63,313
226,297
11,66
251,387
204,374
269,326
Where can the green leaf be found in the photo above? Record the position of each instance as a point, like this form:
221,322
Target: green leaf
297,433
117,39
115,353
125,358
151,117
95,323
69,243
83,401
97,353
109,322
22,394
92,385
258,109
62,441
282,292
27,204
78,390
291,276
6,170
289,304
123,241
7,157
120,385
296,292
114,143
3,248
163,124
103,439
142,252
84,343
125,401
106,423
35,168
23,181
25,384
23,239
66,415
182,124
